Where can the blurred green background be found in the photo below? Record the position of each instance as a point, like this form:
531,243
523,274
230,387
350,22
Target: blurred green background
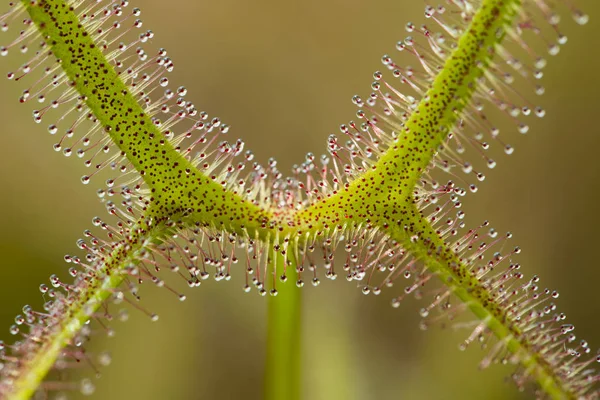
282,75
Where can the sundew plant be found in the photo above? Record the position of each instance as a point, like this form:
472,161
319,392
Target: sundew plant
382,206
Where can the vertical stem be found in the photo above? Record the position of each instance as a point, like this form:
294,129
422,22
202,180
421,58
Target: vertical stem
283,371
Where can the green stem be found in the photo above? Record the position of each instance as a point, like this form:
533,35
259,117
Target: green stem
283,377
36,367
468,288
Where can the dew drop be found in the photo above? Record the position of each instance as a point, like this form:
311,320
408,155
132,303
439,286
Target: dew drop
123,315
540,63
540,112
54,280
86,387
523,128
580,17
429,11
104,358
562,39
540,90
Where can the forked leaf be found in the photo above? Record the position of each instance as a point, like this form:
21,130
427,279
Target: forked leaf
388,191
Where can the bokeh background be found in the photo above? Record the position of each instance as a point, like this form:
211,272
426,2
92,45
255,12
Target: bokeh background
282,73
